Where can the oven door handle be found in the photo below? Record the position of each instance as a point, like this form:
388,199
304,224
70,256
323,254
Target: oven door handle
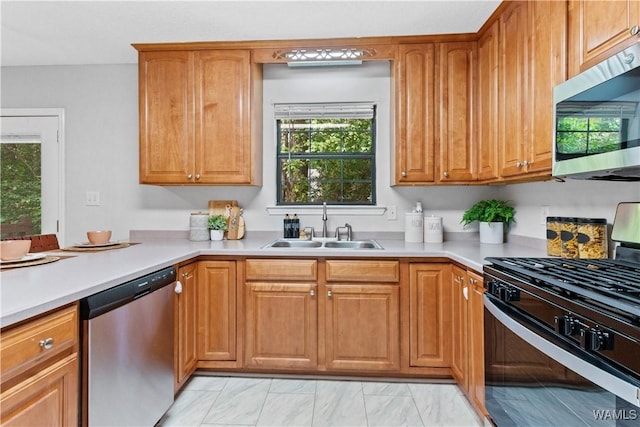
607,381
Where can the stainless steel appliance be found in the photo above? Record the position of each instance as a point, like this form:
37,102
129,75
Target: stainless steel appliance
128,352
562,336
597,121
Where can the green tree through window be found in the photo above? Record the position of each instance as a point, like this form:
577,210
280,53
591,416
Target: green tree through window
326,159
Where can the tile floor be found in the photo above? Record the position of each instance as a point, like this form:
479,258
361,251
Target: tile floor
240,401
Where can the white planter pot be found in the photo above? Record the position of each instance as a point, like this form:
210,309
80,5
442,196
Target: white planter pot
492,232
217,234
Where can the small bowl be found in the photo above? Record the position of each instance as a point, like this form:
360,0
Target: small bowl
14,249
99,237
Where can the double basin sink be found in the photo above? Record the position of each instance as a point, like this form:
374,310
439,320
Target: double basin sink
330,244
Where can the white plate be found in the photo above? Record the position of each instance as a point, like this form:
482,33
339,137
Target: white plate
28,257
97,245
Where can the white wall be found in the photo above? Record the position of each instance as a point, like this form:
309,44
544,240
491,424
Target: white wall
102,155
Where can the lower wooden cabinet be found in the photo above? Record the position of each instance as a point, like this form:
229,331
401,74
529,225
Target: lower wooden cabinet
362,328
281,325
40,371
475,384
459,324
429,319
216,310
186,349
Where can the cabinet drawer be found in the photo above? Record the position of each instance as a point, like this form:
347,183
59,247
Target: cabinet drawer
281,269
29,344
363,271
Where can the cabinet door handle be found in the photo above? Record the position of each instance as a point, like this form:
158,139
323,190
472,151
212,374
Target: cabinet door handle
312,293
404,174
518,164
634,30
197,176
329,294
189,176
46,343
178,287
446,174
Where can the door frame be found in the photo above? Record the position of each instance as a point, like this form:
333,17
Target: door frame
59,113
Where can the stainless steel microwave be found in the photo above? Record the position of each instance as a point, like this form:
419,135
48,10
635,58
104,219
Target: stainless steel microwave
597,121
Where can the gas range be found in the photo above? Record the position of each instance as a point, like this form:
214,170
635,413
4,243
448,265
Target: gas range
606,285
560,331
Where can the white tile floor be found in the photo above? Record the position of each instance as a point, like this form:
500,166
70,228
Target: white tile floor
235,401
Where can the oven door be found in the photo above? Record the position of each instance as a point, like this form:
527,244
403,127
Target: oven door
534,378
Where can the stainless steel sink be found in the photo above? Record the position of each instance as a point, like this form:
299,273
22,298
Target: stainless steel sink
353,244
294,244
332,244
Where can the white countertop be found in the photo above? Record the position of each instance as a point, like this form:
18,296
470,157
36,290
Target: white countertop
29,291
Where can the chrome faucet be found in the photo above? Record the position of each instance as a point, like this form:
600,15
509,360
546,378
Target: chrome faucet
349,231
324,219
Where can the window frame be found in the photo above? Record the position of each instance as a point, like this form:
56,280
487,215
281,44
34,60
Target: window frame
328,156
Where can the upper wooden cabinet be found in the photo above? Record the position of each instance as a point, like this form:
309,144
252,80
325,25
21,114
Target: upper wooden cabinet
532,61
456,98
487,104
600,28
414,76
200,117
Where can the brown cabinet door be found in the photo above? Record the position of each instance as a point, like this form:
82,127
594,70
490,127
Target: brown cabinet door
186,350
476,341
362,327
548,28
429,319
415,119
216,311
456,100
600,28
222,117
48,398
166,117
514,109
281,325
460,356
487,117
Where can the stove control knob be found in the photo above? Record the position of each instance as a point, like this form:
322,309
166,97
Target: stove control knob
595,339
507,294
565,325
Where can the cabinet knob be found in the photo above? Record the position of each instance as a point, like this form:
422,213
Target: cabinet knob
189,176
404,174
178,287
446,174
197,176
312,293
518,164
525,163
634,30
329,294
46,343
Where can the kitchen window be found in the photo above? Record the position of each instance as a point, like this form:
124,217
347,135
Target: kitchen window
326,153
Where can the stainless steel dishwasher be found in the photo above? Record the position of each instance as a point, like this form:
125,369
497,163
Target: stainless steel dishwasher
127,371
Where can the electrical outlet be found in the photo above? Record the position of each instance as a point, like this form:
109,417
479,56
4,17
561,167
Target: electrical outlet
92,198
392,213
544,213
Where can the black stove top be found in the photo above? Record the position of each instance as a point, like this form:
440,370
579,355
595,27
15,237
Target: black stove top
602,282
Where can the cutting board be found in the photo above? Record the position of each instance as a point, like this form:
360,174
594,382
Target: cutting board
233,212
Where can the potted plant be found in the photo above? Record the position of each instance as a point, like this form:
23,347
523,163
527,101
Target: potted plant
492,215
217,226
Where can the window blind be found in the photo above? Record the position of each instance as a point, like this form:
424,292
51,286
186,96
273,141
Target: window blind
354,110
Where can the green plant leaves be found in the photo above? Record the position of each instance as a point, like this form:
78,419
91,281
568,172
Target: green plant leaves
490,211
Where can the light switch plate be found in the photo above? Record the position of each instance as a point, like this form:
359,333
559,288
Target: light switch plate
92,198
